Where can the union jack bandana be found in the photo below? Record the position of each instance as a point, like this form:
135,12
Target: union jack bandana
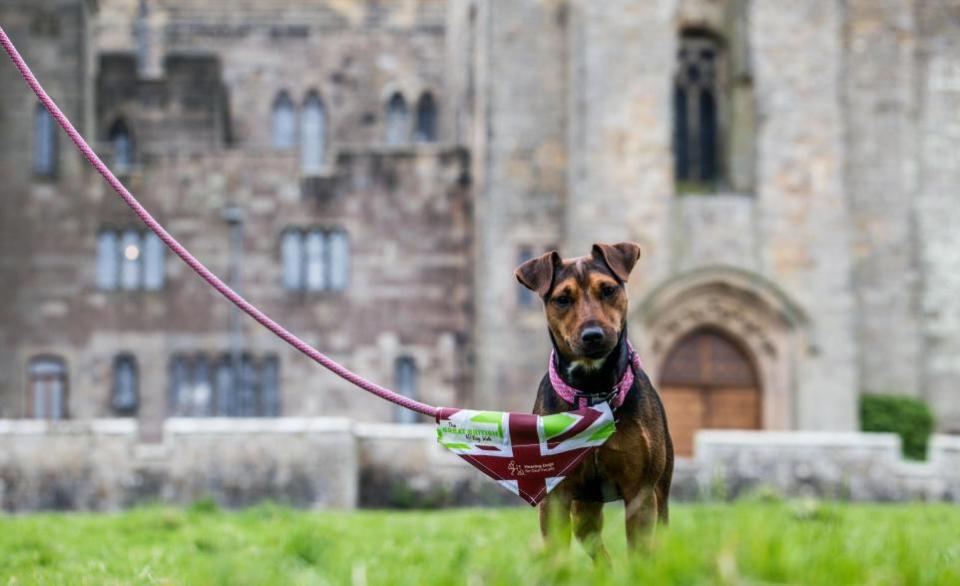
529,455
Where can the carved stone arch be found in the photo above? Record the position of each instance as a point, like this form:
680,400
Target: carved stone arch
769,327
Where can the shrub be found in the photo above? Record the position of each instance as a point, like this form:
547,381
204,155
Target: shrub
908,417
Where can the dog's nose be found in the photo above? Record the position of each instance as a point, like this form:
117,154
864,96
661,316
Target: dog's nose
591,335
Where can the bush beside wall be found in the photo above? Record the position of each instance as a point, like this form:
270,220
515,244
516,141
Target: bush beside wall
908,417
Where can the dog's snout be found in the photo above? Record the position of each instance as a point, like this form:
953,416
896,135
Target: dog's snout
591,335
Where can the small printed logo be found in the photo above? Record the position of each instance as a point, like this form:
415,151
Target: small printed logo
514,469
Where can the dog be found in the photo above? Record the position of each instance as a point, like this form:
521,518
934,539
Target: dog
585,300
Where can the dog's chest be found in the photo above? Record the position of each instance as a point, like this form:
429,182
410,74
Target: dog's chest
603,473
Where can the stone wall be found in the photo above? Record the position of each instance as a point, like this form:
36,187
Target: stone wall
340,464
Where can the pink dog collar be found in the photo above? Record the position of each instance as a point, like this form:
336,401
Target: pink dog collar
578,398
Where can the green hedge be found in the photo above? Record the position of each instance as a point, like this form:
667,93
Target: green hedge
908,417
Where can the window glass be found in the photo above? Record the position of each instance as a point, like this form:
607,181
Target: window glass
108,260
313,135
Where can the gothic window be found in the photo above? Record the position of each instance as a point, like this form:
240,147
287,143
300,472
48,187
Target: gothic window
47,388
132,260
291,253
316,252
405,380
108,260
44,143
284,122
154,261
339,248
225,398
201,387
270,387
398,120
426,130
525,297
696,111
315,260
125,396
313,135
122,144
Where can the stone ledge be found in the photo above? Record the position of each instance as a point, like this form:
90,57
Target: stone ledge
68,427
814,439
279,425
395,431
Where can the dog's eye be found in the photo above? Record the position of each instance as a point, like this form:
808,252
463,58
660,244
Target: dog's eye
608,291
562,300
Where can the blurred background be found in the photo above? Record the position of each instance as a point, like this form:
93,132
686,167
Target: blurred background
370,172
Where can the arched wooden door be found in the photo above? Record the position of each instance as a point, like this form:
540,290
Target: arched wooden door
708,382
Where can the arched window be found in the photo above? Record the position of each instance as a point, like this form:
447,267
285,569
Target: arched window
44,143
270,387
316,261
122,144
130,249
224,401
179,385
426,119
291,257
405,379
47,388
284,122
313,135
696,110
339,248
398,120
154,257
126,395
108,260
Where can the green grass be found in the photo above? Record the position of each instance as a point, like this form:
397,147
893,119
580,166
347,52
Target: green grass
743,543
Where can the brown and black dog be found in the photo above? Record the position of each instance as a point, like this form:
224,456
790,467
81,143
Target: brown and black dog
585,300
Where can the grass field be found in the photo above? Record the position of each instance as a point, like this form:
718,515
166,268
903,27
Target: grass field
743,543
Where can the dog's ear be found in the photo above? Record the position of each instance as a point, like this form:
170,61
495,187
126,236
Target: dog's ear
619,258
537,273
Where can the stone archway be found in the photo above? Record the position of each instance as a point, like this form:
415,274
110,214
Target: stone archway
768,330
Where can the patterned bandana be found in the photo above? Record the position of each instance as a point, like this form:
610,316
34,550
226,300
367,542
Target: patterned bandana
527,454
615,397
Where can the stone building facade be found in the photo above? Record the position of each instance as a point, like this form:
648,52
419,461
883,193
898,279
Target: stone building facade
369,173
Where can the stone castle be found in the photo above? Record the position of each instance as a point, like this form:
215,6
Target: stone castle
369,173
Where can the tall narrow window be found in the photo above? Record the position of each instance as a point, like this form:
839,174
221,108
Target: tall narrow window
122,144
525,297
154,256
48,388
426,119
125,396
247,391
398,120
291,257
696,112
180,391
270,387
44,143
224,401
316,272
313,135
339,248
108,260
201,398
130,262
284,122
405,375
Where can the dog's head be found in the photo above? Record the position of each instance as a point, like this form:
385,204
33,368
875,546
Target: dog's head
585,298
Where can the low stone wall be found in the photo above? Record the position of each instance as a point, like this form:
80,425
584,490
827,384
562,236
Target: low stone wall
336,463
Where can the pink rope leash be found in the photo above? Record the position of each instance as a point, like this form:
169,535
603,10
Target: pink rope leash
188,258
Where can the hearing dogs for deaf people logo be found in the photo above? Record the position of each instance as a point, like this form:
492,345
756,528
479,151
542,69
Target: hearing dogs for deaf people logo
527,454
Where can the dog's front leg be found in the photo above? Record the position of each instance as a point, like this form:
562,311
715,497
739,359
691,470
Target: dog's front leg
641,517
555,518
